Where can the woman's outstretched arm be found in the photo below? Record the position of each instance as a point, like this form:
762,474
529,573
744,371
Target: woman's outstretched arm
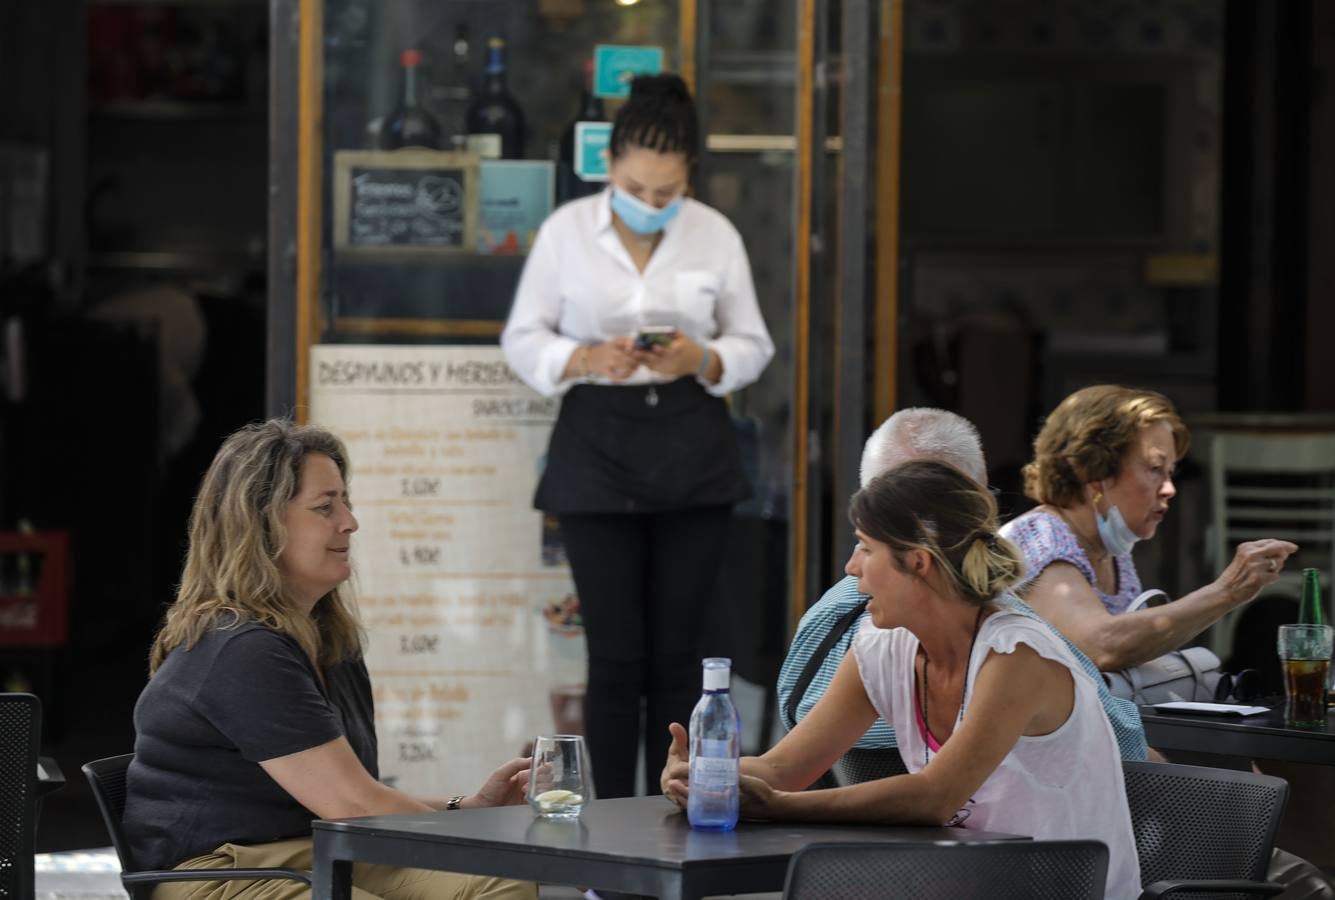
1018,693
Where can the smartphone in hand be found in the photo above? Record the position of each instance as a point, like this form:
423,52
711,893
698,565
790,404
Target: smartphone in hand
651,336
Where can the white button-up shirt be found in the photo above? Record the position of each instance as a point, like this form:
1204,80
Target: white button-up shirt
580,286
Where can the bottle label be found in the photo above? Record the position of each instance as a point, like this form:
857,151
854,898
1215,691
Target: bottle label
487,146
714,764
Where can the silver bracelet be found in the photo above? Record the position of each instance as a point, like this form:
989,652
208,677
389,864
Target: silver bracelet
705,359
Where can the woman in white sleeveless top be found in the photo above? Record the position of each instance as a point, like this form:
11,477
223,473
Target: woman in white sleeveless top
999,726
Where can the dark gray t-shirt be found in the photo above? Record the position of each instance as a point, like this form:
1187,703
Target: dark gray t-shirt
205,721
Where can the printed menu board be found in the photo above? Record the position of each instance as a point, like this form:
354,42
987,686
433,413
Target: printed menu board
475,644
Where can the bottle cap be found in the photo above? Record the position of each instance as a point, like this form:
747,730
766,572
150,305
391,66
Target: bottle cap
411,59
718,671
495,56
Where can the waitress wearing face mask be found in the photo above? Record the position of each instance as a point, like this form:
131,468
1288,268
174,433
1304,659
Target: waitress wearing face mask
636,306
1103,475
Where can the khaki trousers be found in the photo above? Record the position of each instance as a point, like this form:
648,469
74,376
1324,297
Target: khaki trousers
369,882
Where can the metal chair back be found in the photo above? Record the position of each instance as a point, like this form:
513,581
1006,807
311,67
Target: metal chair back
21,727
999,870
1194,823
107,777
1271,486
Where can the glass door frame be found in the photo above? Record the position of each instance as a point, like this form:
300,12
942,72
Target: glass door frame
849,381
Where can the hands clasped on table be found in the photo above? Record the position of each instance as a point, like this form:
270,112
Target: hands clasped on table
756,795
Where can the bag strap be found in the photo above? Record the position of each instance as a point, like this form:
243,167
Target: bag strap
1201,664
1137,680
1197,673
817,658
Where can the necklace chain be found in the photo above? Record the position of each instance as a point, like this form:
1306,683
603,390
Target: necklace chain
1097,554
964,691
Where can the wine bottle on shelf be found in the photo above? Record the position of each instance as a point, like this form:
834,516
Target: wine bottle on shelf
495,121
450,96
568,184
461,71
409,125
460,50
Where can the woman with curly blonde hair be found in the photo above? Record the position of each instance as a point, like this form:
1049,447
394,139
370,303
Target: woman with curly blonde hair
258,716
1102,474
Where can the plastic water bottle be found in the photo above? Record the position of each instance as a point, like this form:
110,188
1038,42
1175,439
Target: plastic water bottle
716,739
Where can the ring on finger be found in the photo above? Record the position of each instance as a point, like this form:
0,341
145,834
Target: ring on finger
1270,565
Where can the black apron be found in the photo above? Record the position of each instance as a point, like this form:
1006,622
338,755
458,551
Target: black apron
646,448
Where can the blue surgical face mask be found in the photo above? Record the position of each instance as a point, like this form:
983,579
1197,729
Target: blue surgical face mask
641,217
1117,536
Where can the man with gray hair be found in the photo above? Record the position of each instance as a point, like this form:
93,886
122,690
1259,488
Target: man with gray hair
924,433
826,630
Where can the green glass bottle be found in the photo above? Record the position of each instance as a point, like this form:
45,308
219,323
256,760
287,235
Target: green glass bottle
1310,609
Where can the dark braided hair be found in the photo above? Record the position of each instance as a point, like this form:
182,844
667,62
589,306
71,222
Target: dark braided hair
659,116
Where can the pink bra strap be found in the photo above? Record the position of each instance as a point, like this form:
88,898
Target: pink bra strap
932,743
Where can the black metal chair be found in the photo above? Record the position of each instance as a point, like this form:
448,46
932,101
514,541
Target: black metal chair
998,870
21,726
107,777
1203,833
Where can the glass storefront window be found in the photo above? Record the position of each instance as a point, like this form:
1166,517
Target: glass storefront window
405,252
546,47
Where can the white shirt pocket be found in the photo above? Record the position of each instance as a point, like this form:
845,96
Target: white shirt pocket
697,292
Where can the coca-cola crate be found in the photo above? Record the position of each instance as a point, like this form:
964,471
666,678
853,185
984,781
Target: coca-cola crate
34,588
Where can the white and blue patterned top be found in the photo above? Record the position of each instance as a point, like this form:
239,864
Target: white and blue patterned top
843,596
1044,538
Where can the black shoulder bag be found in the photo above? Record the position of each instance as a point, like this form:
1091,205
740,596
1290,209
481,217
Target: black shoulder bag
837,630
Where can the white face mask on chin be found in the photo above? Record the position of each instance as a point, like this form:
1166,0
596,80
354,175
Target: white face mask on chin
1117,536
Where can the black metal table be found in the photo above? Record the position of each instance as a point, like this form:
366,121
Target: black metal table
640,845
1262,736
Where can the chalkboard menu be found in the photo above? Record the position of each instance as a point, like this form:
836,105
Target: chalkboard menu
405,202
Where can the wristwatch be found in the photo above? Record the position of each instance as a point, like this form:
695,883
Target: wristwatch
453,802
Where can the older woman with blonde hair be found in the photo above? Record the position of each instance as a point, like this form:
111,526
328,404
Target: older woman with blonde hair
258,713
1102,474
